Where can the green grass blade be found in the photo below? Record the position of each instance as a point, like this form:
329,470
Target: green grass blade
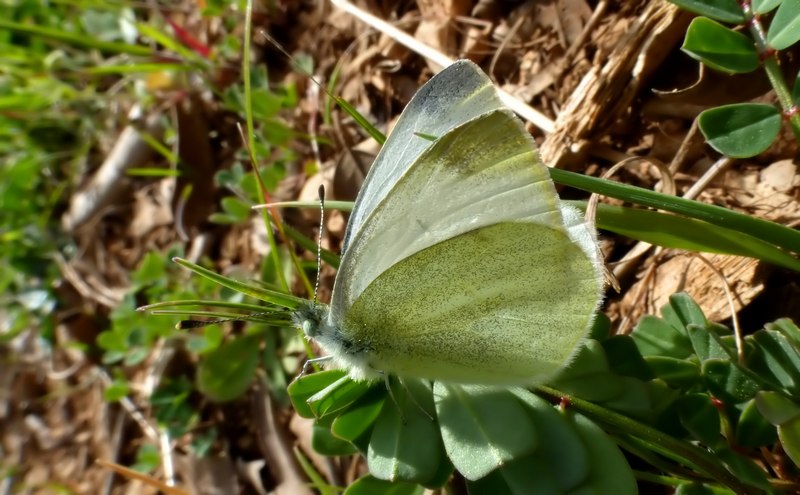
678,232
361,121
77,39
270,296
328,257
138,68
208,304
771,232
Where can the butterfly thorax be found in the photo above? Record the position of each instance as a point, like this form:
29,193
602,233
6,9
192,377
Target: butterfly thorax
354,356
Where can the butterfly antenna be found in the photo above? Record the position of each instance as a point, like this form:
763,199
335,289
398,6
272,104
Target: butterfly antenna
319,238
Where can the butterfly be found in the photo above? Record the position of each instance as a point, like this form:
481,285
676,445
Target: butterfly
460,263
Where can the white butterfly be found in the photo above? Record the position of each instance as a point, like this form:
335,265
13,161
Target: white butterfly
460,264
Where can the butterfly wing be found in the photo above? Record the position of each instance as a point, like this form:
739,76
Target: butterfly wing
457,94
465,270
504,304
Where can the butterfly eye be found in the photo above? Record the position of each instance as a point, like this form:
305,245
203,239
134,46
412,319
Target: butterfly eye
310,328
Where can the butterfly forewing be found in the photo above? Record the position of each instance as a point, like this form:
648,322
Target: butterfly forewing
456,95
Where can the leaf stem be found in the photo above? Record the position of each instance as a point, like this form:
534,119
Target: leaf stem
771,66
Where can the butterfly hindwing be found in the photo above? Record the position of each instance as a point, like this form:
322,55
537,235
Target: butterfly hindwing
506,303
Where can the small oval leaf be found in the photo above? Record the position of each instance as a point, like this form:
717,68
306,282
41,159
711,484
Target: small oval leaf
764,6
475,427
698,415
721,10
405,444
789,434
719,47
740,130
753,429
784,30
305,386
776,408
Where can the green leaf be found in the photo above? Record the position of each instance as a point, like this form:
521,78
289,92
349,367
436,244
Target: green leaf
785,414
226,372
779,235
657,338
722,10
678,373
559,465
776,357
699,416
753,430
610,472
561,449
236,208
764,6
171,405
519,477
679,232
151,270
369,485
740,130
787,328
148,458
304,387
743,468
358,419
789,435
116,390
325,443
727,382
601,328
682,311
405,444
588,375
700,489
337,396
317,481
271,296
719,47
776,408
475,428
624,358
784,30
707,343
78,40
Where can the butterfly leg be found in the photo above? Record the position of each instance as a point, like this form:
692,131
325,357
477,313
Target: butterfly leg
312,362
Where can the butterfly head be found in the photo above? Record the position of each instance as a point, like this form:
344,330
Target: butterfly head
311,318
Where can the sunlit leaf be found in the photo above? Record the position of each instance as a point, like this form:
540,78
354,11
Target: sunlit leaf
740,130
784,30
719,47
